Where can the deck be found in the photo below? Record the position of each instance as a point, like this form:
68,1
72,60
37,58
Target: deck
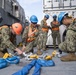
60,68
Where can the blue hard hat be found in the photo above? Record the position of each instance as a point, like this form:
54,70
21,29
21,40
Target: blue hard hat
54,16
33,19
47,16
61,16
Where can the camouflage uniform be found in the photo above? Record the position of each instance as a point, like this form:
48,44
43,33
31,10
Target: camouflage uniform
43,34
55,33
5,38
13,38
69,45
34,43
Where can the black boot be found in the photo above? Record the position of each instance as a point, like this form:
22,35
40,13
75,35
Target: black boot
60,51
1,54
32,51
5,51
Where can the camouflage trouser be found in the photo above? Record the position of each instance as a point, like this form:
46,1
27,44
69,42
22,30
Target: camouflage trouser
43,40
67,48
56,35
69,45
63,46
3,48
39,42
30,45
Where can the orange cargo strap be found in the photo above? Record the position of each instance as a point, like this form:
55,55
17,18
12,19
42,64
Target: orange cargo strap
57,28
45,29
30,39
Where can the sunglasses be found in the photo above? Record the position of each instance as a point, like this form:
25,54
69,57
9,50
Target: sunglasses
34,23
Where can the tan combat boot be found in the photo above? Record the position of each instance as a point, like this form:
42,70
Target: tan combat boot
1,54
39,52
69,57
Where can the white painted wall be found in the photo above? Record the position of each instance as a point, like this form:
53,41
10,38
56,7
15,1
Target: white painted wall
62,28
74,14
55,4
73,2
67,3
47,3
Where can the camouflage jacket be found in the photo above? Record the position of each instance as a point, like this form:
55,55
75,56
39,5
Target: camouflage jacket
71,36
5,33
72,26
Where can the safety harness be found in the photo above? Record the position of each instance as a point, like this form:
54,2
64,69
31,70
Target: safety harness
32,37
44,29
55,28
